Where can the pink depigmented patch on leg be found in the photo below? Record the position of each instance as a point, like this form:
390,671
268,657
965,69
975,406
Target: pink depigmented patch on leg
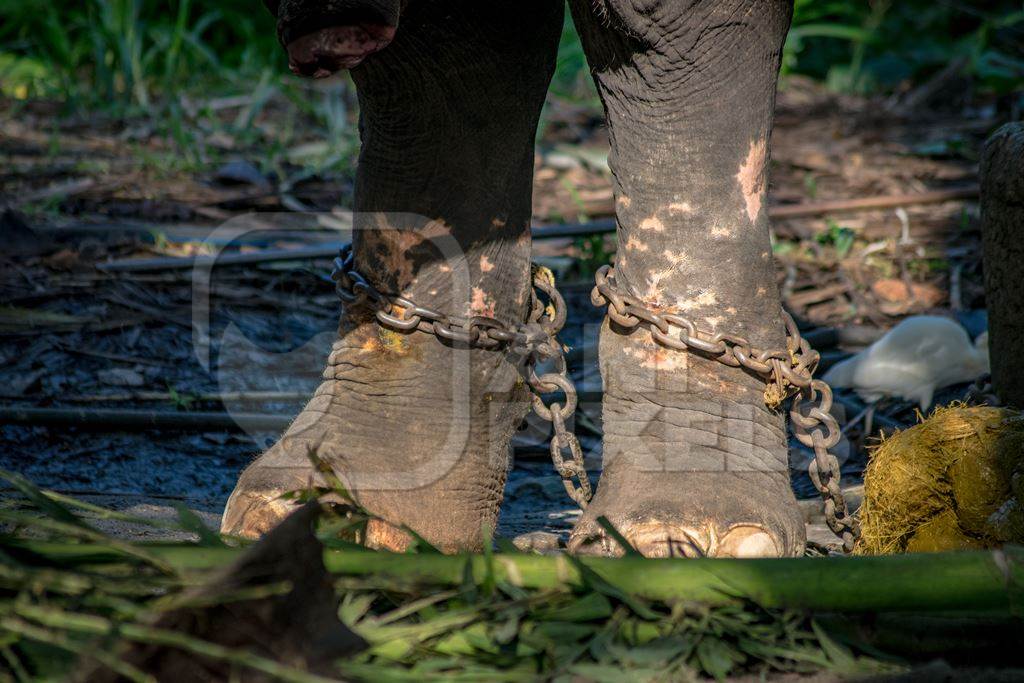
633,244
654,294
751,177
652,223
482,303
675,258
657,357
485,265
719,231
704,299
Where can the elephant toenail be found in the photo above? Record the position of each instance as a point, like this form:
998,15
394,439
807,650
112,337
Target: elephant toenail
595,543
748,541
665,540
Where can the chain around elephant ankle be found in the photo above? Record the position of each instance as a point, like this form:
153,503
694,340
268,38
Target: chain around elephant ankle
788,373
535,341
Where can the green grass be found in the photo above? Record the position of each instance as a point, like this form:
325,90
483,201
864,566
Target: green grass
196,74
877,46
129,56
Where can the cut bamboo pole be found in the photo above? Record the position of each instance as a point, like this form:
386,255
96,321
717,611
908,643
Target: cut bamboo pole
978,581
990,582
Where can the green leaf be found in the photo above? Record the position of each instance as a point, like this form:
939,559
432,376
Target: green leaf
419,544
602,673
610,529
506,546
487,586
191,522
716,657
47,506
839,656
548,633
354,607
658,653
590,607
468,589
598,583
508,630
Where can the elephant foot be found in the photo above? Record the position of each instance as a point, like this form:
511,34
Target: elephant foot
697,514
413,449
695,464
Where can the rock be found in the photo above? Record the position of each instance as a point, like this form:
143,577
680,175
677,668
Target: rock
922,294
17,238
537,542
121,377
64,260
240,172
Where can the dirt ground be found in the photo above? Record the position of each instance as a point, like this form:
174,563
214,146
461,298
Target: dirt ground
144,386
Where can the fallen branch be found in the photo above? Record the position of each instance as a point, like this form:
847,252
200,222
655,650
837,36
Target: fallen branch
165,396
68,188
232,259
130,420
606,225
810,209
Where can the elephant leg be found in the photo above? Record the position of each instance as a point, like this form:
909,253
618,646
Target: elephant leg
695,464
416,428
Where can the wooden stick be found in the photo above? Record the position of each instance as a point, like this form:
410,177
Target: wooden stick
233,259
606,225
131,420
68,188
239,396
809,209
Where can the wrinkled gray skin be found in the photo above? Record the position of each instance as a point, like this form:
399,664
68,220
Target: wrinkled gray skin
694,462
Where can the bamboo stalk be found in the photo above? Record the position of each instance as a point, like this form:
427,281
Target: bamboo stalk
905,583
951,582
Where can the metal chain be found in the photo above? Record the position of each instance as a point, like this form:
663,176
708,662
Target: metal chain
571,469
788,373
535,341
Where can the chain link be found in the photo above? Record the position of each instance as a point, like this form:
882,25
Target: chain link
787,373
571,469
535,341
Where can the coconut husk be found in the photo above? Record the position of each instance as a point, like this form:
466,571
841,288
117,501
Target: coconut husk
947,483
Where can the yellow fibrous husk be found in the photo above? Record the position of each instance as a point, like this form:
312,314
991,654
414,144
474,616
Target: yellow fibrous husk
942,533
950,482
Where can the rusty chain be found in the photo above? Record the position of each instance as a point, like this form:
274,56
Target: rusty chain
535,341
787,372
